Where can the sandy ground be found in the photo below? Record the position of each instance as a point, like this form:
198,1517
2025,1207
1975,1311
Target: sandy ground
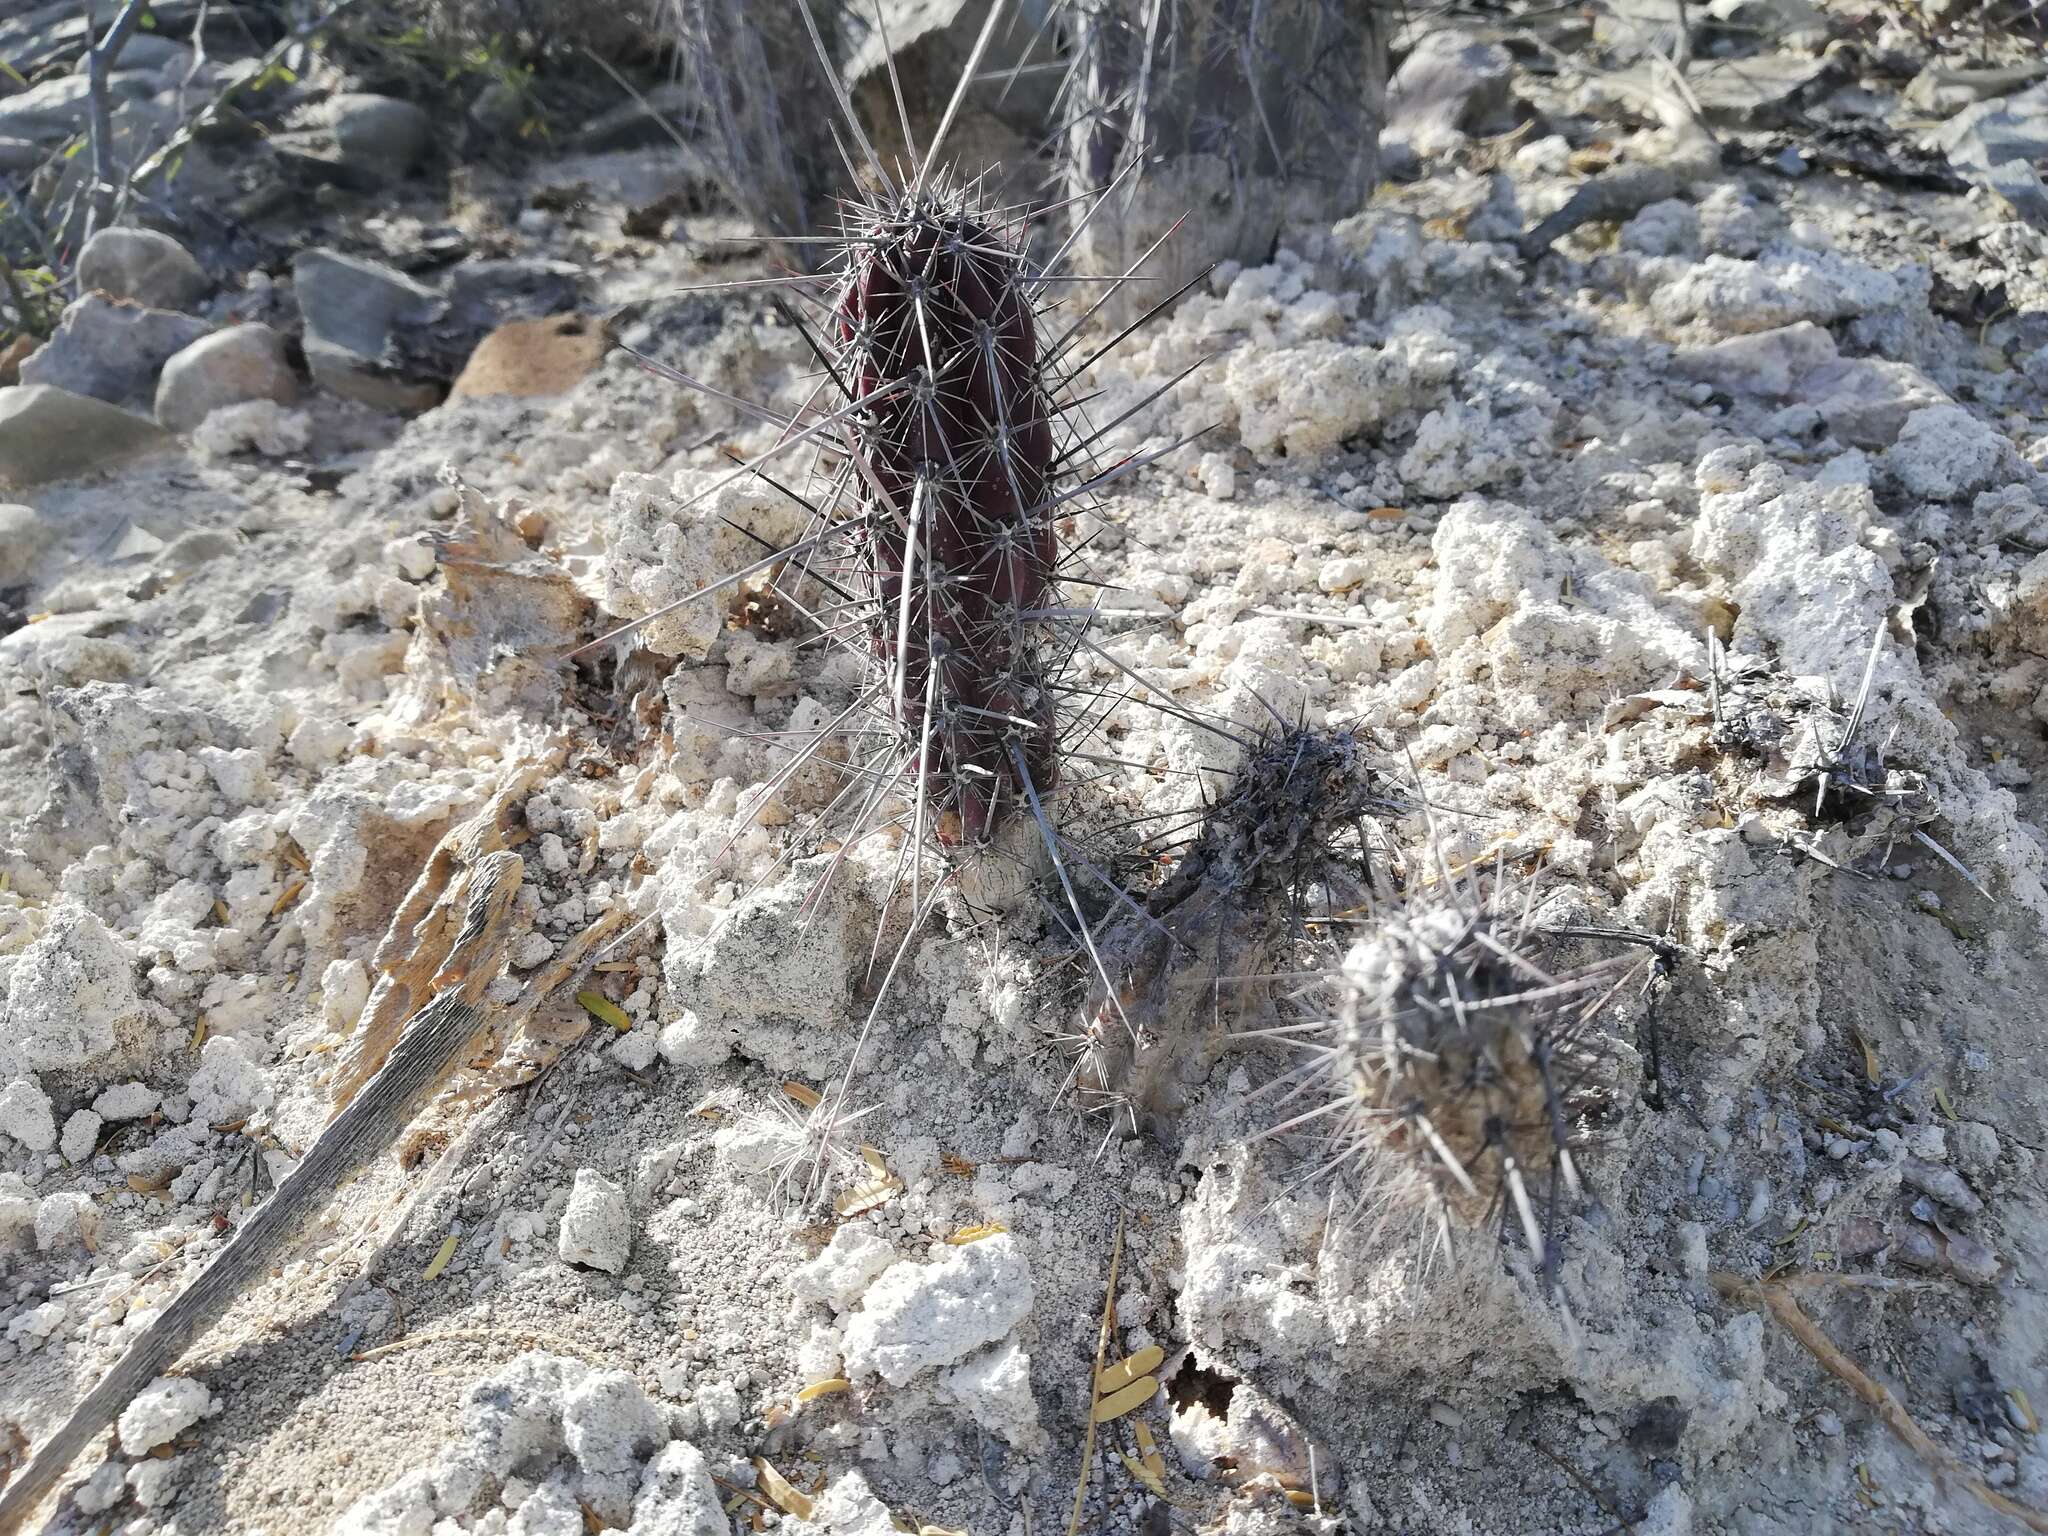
1484,513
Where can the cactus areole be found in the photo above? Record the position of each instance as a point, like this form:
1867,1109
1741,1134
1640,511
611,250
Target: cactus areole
939,344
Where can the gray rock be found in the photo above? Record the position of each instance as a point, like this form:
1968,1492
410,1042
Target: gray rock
51,434
1865,401
158,55
244,362
24,535
1997,144
353,310
379,132
1971,1260
111,349
1943,1185
22,154
1767,363
1451,84
144,265
56,109
1945,454
1941,90
677,1494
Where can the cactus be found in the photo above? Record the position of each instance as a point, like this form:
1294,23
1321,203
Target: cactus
1457,1068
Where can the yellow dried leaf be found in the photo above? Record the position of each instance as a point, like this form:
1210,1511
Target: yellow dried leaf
598,1006
1870,1066
1941,1102
873,1158
221,914
1124,1372
440,1259
1129,1399
866,1197
825,1388
1143,1474
1301,1498
2019,1401
779,1489
290,895
198,1032
975,1234
1148,1450
809,1097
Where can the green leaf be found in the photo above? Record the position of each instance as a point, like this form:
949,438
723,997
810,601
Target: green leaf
13,74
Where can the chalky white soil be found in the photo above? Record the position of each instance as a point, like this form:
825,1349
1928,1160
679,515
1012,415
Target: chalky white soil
1465,505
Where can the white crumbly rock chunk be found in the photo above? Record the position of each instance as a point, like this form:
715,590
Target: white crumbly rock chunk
597,1229
677,1496
1946,454
126,1101
994,1387
1726,297
162,1411
80,1134
66,1220
99,1493
252,426
685,1042
70,995
27,1115
611,1428
848,1507
844,1268
156,1480
919,1317
227,1085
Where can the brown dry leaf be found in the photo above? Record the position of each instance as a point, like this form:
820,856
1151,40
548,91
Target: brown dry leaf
955,1164
290,895
809,1097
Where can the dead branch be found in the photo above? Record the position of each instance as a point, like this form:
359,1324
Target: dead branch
100,59
1778,1301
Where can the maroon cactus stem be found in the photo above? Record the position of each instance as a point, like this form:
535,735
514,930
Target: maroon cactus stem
935,303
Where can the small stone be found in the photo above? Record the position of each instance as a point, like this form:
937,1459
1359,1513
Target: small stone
596,1229
917,1317
1971,1260
533,357
1917,1246
142,265
1945,454
1942,1184
80,1135
843,1269
66,1220
685,1042
126,1101
245,362
635,1050
51,434
99,1493
1828,1423
26,1115
111,349
1342,575
162,1411
379,133
354,310
1976,1150
24,535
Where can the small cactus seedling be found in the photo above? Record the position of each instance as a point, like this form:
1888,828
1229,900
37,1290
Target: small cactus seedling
1811,746
1453,1073
1295,840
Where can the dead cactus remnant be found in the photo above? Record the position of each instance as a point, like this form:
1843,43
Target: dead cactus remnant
939,348
1298,836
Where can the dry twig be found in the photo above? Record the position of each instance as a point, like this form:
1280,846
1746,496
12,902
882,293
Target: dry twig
1778,1301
